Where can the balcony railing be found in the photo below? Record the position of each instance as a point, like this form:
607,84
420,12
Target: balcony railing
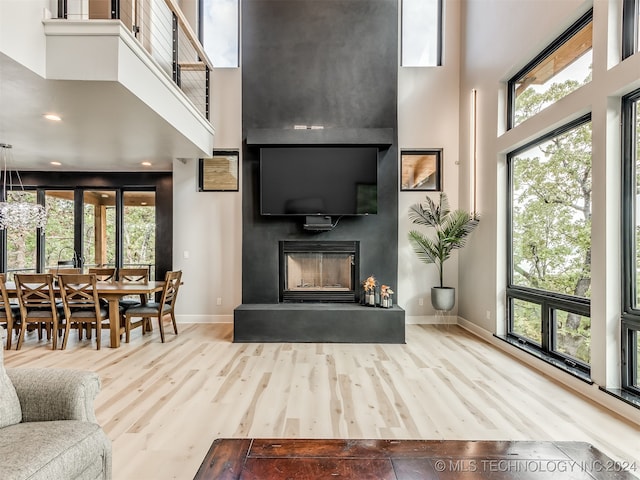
163,31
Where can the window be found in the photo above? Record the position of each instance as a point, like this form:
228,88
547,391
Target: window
22,245
139,233
219,31
58,233
549,284
560,69
631,241
630,27
126,221
421,33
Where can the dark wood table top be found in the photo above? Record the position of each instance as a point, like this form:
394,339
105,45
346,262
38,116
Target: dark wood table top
304,459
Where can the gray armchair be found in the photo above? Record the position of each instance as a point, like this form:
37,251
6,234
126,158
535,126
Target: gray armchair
52,433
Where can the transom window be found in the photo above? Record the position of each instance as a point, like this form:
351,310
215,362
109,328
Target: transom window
421,33
561,68
630,27
220,31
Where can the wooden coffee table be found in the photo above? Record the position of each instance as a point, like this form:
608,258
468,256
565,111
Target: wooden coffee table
262,459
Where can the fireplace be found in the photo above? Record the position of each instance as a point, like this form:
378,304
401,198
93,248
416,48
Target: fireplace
318,271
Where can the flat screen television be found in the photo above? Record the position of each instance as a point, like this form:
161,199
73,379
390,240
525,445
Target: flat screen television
330,181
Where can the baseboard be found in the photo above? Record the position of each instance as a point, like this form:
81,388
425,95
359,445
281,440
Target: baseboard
589,391
204,318
431,319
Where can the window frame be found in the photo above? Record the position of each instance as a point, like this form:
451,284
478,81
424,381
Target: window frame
549,301
630,320
543,55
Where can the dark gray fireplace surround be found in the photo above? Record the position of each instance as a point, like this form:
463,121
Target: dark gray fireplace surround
331,63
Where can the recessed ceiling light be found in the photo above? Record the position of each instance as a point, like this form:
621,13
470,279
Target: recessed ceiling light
146,164
104,195
53,117
57,164
143,203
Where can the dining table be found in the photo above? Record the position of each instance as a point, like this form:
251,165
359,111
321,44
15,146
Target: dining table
112,292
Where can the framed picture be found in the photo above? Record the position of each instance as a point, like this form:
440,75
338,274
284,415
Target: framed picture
220,172
421,170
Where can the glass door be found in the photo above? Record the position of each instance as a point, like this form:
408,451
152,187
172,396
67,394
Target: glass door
99,228
139,232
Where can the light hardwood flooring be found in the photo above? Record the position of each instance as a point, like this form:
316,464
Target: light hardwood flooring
163,404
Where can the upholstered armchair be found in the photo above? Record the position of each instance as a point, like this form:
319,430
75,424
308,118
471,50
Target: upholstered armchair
48,427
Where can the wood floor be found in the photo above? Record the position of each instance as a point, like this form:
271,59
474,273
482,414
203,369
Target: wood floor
163,404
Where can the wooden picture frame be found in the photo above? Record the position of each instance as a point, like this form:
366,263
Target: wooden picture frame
421,170
220,172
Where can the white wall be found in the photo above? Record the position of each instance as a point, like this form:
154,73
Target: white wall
208,225
428,108
22,39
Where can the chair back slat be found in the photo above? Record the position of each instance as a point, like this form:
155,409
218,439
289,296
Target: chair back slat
5,305
134,274
78,290
35,290
103,274
172,281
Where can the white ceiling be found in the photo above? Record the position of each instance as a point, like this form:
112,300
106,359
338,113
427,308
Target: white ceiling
104,126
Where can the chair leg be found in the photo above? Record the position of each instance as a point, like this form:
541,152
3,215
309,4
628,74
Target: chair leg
127,328
52,328
23,329
98,332
175,326
65,334
9,333
161,327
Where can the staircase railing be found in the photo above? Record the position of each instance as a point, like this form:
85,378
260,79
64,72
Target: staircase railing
163,31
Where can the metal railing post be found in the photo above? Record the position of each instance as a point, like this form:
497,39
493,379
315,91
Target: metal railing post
207,84
62,8
176,67
115,9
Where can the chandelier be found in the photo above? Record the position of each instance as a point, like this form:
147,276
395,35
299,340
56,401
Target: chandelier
17,214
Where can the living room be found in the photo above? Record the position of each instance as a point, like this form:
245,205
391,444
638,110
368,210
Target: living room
485,45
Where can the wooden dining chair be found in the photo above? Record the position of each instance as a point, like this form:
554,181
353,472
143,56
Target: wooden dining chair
81,304
37,301
133,275
103,274
157,310
8,311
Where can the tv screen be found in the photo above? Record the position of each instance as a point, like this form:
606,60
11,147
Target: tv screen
329,181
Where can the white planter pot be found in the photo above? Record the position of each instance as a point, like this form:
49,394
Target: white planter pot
443,298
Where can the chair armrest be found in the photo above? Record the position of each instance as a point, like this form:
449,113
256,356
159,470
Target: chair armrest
48,394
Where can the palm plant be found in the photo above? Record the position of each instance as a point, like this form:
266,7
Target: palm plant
451,230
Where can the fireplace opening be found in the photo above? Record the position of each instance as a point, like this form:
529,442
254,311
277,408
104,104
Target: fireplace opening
318,271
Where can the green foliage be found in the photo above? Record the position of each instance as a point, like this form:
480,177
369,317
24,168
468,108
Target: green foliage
138,234
552,214
449,231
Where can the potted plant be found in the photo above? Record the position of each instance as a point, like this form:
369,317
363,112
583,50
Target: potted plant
450,231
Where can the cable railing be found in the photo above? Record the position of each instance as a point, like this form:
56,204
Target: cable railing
163,31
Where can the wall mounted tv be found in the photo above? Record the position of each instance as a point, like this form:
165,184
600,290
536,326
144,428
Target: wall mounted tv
318,180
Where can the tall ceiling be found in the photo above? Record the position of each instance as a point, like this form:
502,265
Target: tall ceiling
104,127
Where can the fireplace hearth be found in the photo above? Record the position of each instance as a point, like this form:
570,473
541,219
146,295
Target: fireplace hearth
318,271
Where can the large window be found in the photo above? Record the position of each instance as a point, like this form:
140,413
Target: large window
421,33
549,284
564,66
127,221
631,241
219,31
